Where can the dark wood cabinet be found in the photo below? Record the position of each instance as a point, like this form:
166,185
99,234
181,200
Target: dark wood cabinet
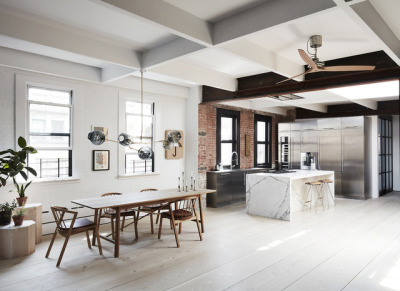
230,186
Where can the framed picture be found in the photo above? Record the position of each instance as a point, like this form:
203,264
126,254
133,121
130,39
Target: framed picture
101,128
101,160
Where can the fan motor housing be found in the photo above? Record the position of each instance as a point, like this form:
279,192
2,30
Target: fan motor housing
315,41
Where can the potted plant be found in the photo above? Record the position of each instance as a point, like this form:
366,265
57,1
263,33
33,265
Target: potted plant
12,164
21,192
19,216
6,211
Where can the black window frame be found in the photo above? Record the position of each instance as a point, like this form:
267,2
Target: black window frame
235,115
267,142
385,135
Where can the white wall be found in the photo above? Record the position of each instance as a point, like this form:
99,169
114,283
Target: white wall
396,153
95,104
192,131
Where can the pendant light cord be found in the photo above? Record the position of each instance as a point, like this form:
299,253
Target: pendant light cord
141,102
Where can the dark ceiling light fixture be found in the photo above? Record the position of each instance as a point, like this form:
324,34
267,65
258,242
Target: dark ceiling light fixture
145,152
287,97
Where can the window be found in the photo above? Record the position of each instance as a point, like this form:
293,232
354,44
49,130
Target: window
228,133
262,141
49,131
385,148
133,120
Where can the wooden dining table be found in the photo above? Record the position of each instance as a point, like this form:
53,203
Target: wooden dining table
137,199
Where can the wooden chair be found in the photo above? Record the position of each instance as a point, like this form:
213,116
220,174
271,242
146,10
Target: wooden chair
185,210
68,228
151,209
111,214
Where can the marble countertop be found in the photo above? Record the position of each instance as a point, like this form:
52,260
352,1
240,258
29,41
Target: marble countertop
298,174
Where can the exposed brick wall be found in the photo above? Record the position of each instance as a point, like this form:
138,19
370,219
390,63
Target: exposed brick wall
207,158
246,128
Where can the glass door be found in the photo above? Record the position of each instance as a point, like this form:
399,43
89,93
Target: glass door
385,144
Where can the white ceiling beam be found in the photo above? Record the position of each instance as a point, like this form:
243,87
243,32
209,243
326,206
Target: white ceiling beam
266,15
251,52
240,103
35,33
365,15
167,16
197,75
169,51
274,110
42,64
113,72
371,104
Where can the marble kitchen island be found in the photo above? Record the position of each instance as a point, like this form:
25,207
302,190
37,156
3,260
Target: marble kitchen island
279,195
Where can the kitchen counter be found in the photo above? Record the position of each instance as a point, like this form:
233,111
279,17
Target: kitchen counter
279,195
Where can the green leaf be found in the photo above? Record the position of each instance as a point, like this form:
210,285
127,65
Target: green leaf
24,175
21,142
31,150
26,186
20,167
22,155
3,181
31,170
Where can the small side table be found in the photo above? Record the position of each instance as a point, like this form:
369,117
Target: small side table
34,212
17,241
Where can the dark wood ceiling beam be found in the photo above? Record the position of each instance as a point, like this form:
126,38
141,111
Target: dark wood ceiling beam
384,108
305,86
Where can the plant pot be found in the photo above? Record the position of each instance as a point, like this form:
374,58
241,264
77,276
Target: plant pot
18,219
5,217
22,200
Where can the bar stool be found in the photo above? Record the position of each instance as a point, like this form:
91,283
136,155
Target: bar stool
314,190
327,189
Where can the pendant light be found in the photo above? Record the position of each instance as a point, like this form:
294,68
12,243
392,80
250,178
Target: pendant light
145,152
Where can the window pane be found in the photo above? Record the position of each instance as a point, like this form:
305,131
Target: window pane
50,163
49,119
49,141
226,128
261,154
260,131
135,108
137,145
134,165
48,95
133,125
226,153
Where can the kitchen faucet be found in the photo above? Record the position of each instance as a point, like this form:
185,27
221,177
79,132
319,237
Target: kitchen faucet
234,153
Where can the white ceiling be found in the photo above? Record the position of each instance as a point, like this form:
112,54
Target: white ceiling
191,42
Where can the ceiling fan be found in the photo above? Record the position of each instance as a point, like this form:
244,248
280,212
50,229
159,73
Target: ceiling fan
315,65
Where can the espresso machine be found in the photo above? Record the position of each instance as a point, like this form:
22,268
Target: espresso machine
309,161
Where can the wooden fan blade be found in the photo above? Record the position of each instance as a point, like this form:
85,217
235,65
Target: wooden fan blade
306,58
347,68
308,71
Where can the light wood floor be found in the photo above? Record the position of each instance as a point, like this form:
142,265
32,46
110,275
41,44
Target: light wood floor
355,246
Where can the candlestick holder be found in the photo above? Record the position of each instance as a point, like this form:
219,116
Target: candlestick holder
191,183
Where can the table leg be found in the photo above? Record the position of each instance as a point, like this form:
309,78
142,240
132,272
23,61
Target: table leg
96,229
201,215
117,233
